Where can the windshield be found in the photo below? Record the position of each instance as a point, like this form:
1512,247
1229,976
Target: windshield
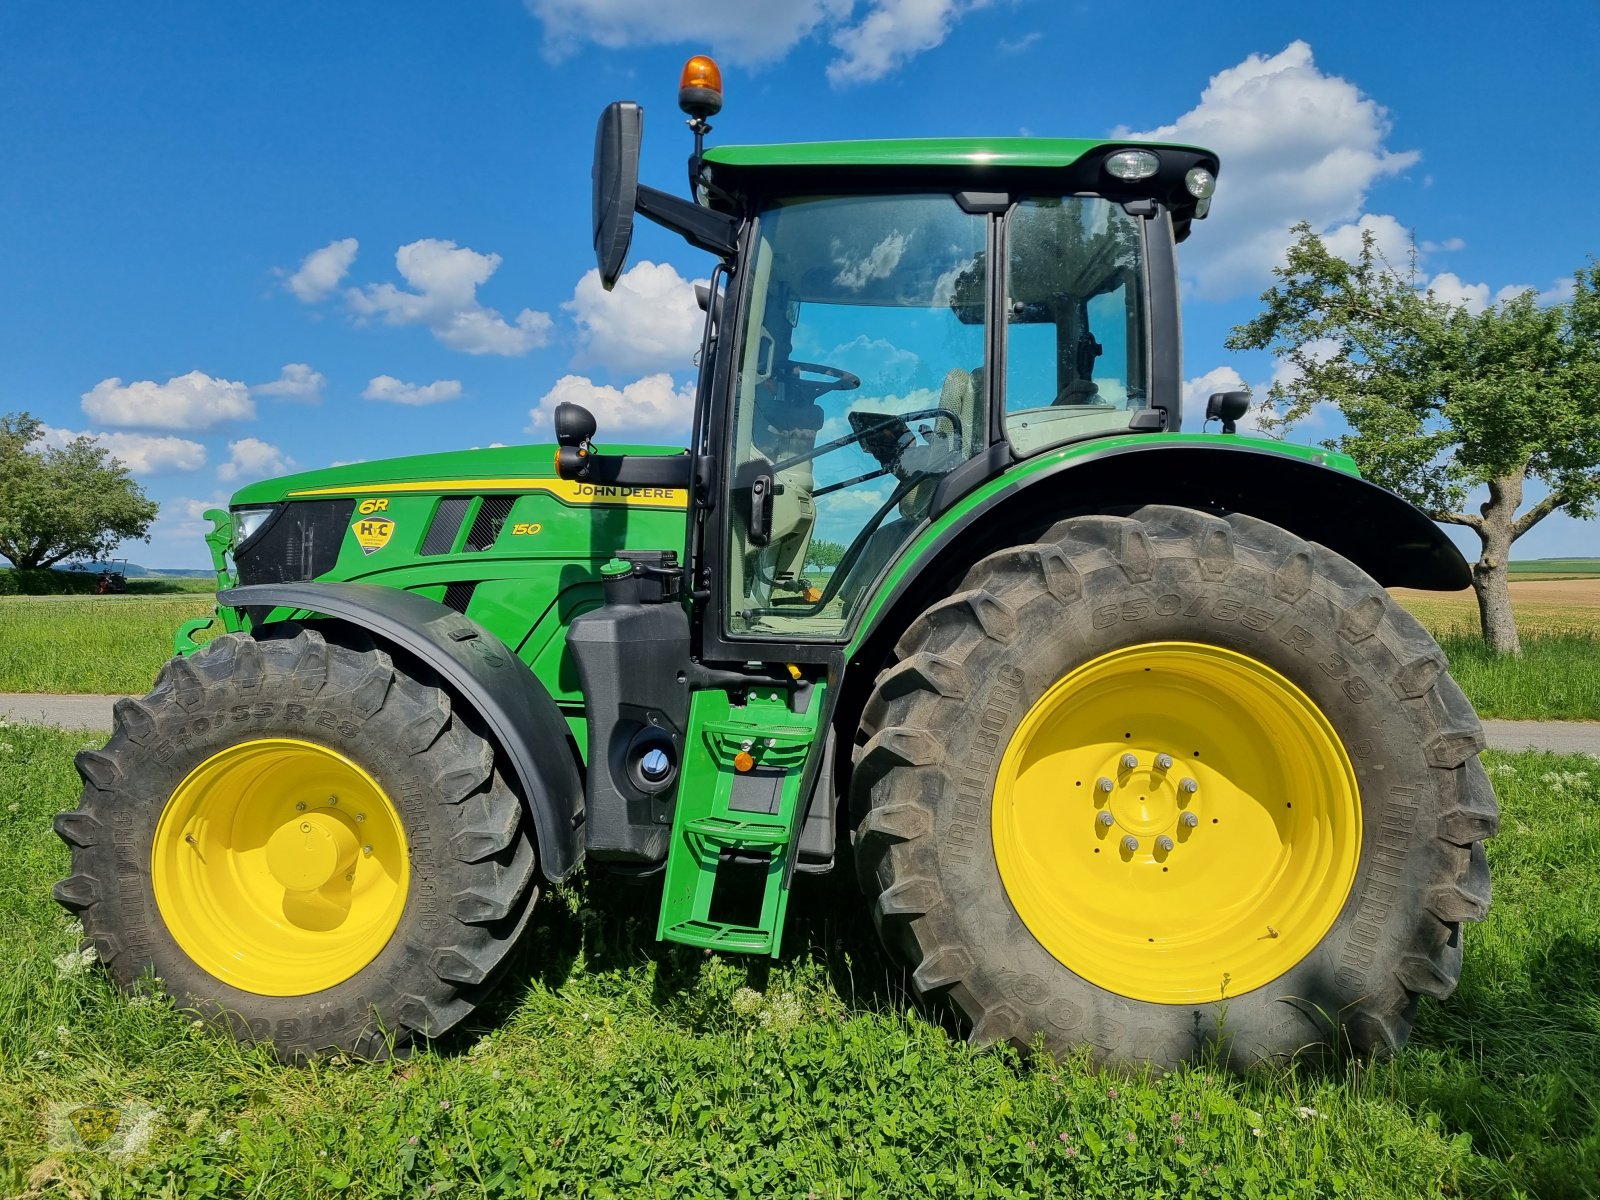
860,385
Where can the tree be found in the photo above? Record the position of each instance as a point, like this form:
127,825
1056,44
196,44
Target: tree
1441,400
824,554
57,503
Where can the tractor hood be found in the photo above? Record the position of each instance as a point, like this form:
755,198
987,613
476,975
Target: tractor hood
498,468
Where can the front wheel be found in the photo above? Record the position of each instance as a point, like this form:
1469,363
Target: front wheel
306,843
1167,783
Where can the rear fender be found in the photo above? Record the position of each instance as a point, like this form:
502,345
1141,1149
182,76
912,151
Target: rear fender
520,715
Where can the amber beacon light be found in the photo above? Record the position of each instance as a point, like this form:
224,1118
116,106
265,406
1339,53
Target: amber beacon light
700,88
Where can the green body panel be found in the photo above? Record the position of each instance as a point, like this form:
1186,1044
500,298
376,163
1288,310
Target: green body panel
923,544
540,572
756,813
995,153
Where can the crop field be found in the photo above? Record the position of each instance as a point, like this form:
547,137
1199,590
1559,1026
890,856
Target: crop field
616,1067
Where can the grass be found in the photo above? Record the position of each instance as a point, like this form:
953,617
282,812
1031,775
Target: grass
614,1066
1557,678
107,644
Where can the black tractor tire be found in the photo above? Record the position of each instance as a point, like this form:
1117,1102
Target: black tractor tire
467,838
969,669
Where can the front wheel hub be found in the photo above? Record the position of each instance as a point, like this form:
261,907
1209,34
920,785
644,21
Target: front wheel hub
1232,842
261,877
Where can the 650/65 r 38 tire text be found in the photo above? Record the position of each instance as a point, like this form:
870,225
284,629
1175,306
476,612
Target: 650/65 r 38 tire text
1170,781
304,842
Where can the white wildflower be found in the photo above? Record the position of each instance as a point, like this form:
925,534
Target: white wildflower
75,962
226,1136
1307,1113
136,1136
747,1002
63,1034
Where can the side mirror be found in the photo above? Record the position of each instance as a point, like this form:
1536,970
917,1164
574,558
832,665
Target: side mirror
616,186
1227,407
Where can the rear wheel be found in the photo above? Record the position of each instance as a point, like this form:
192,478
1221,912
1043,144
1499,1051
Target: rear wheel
1171,781
306,843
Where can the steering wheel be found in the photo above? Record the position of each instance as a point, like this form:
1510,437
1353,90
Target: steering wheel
879,434
839,380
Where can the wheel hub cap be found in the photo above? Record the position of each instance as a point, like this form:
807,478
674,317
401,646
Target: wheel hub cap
1187,882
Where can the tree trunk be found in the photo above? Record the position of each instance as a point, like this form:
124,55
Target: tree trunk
1491,576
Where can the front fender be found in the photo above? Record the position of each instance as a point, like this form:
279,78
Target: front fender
479,668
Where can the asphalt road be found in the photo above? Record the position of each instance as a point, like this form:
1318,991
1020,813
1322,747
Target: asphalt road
94,712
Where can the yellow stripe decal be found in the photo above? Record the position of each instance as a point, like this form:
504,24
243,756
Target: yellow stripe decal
568,491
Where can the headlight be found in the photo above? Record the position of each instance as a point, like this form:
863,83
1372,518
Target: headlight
1200,182
1133,164
246,521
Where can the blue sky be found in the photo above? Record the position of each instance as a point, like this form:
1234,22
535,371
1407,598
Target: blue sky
243,238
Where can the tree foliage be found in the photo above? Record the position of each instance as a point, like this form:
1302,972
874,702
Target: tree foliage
824,554
1441,401
66,502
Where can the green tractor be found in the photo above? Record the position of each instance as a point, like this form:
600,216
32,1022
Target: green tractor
1126,742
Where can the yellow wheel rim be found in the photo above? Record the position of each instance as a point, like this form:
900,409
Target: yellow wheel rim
1186,882
280,867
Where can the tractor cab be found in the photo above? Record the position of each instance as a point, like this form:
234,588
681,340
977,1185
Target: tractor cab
893,324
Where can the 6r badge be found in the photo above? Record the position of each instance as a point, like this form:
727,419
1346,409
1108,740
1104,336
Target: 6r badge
373,533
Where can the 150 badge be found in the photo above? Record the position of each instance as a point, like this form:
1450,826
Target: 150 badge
372,530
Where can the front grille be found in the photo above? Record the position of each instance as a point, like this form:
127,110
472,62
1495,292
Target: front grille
301,541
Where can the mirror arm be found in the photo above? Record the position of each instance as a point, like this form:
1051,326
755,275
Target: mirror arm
711,231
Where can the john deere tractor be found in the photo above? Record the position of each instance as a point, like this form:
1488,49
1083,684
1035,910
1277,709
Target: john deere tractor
1125,740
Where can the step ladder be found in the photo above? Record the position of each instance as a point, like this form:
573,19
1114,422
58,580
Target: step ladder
737,818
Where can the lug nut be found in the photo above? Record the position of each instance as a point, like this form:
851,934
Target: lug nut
190,838
1105,819
360,817
1104,784
1163,762
350,878
333,799
1188,786
300,807
366,849
1129,762
1130,843
1188,820
1163,843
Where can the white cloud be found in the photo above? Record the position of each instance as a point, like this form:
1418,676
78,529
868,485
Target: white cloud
297,381
252,459
646,408
445,279
322,270
1451,289
649,322
1018,45
1391,239
752,32
878,263
192,401
891,33
1295,144
1448,245
394,391
141,453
